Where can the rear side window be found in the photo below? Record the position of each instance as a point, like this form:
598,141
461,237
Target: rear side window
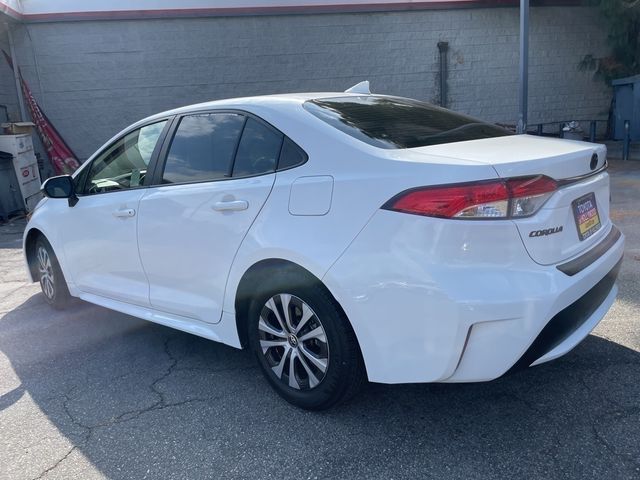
394,123
291,155
258,150
203,148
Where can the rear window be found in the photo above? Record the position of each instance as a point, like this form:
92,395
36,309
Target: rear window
392,123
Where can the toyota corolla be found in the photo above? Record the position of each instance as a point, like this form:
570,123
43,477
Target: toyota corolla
339,236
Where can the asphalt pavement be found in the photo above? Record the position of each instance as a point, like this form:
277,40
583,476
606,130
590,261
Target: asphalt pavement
90,393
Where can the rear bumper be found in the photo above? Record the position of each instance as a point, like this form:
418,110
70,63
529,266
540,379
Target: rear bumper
569,326
445,301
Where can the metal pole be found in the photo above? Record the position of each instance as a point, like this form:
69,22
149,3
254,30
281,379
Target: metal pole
524,66
443,47
627,140
592,131
16,75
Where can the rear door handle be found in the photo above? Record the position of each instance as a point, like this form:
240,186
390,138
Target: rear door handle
124,213
231,206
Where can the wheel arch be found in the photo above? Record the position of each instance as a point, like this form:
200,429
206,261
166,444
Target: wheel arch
30,239
260,271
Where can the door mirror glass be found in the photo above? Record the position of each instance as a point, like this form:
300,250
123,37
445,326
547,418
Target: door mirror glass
59,187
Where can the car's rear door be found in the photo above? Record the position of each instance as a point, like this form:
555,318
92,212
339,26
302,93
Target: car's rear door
217,173
100,231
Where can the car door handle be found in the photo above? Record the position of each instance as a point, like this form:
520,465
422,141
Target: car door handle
233,206
124,213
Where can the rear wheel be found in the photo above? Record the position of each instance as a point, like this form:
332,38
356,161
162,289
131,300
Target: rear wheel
304,343
52,282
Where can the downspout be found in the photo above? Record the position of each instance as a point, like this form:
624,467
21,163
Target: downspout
523,85
443,48
16,75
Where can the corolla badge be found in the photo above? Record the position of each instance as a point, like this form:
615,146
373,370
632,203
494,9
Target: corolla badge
545,232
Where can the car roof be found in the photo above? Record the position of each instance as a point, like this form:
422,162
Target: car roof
276,101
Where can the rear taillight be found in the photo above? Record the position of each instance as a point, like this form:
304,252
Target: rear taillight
529,194
510,198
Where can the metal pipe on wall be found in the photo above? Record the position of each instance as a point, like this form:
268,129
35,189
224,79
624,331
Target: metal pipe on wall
443,48
16,75
524,67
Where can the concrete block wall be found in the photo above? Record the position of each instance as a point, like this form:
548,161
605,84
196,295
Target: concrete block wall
8,96
97,77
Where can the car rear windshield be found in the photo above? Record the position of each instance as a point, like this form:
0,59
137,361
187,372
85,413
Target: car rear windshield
393,123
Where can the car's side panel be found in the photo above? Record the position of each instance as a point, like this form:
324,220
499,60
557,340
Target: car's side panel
363,180
99,237
44,219
188,240
224,332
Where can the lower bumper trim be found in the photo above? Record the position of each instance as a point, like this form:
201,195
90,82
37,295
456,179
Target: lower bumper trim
576,265
567,321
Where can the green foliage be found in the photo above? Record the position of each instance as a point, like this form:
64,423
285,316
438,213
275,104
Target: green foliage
623,22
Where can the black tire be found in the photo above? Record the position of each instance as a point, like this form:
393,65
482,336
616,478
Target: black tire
52,281
344,374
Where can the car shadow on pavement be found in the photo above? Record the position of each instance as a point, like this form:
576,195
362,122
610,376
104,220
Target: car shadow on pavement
138,400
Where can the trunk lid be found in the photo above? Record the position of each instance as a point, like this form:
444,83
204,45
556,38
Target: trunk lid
568,223
519,155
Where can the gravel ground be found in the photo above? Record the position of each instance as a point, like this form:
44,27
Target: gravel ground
90,393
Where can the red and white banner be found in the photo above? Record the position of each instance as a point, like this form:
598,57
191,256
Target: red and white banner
62,158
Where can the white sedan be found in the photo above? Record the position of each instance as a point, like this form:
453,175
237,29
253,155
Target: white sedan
339,236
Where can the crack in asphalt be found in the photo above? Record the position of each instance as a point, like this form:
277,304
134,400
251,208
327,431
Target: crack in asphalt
88,430
160,404
11,292
625,457
56,465
620,412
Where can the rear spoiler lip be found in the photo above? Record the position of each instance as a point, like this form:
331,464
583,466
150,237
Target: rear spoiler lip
568,181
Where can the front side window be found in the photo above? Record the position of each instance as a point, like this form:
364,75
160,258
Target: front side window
124,164
203,148
392,123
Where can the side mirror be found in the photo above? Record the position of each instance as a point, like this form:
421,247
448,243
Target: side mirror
60,187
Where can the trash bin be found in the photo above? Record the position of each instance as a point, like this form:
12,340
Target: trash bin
10,197
626,93
25,165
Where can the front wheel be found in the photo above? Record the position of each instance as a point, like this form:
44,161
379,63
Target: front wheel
304,343
52,282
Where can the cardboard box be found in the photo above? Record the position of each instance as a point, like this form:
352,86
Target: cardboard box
16,128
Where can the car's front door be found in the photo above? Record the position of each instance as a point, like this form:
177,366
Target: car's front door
218,172
100,231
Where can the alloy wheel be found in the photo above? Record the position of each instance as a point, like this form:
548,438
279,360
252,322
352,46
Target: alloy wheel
293,341
46,273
